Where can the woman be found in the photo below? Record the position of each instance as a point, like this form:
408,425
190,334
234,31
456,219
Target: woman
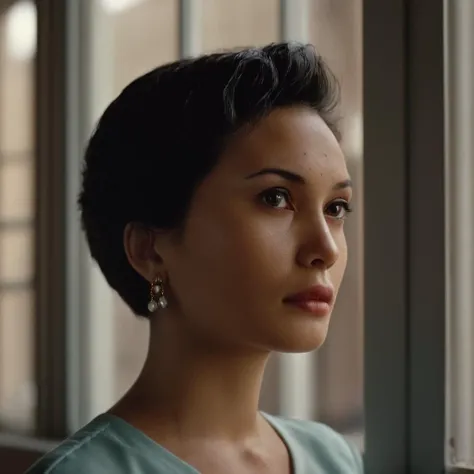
214,197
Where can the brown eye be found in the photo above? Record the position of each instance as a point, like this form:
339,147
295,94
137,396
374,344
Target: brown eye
338,209
277,198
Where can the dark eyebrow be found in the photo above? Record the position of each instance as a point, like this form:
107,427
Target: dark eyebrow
290,176
347,183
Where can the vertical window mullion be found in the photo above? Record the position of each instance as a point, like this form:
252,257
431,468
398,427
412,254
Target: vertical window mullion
386,232
50,244
294,20
427,249
190,37
297,372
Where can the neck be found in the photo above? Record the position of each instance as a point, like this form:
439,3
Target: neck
191,388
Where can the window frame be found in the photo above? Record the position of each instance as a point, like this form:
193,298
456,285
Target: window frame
18,452
384,155
404,241
50,251
427,244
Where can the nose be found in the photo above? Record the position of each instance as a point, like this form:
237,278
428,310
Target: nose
319,247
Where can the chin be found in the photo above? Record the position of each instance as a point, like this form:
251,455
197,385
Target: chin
307,338
300,347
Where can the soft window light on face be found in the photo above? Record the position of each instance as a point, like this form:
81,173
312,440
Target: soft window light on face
279,204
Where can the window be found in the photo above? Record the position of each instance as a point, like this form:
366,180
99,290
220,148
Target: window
17,167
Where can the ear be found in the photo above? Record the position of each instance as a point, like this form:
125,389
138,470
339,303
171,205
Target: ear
139,245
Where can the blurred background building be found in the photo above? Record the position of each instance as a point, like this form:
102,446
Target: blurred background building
69,347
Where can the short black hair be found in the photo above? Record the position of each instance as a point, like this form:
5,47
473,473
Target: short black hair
160,137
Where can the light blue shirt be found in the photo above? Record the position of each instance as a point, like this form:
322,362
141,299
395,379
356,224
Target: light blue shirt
109,445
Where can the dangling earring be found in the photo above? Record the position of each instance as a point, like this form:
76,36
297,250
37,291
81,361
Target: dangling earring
157,296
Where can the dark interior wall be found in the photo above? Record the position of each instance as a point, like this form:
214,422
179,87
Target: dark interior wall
15,461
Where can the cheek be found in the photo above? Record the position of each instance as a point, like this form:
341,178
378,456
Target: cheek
232,265
240,251
338,270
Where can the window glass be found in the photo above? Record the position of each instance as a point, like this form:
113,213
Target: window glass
17,54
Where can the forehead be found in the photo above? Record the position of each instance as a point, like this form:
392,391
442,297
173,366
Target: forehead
295,138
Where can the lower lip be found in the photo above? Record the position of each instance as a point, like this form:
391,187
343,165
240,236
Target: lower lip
318,308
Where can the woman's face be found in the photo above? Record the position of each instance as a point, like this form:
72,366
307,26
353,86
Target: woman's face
263,251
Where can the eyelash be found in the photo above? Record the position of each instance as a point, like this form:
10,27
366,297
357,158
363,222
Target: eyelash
345,205
268,192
